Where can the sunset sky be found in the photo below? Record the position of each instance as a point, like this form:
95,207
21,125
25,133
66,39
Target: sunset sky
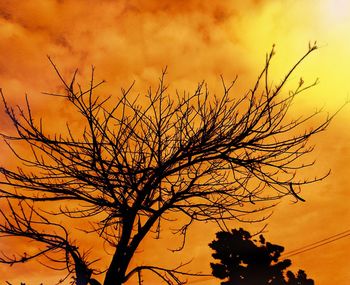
198,40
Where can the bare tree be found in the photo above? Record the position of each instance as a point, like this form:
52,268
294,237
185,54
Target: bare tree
194,155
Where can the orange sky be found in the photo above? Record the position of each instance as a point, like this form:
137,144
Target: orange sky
127,40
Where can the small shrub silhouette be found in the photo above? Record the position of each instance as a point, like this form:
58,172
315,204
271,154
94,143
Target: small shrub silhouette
246,261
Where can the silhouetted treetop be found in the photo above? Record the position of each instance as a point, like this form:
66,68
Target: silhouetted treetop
247,261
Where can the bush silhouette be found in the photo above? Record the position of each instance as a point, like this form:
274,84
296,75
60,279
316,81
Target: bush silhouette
246,261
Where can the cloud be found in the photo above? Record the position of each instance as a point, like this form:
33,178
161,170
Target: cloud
121,39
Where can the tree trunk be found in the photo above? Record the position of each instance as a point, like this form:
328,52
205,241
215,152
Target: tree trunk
117,269
116,272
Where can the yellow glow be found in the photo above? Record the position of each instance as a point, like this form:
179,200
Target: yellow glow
335,11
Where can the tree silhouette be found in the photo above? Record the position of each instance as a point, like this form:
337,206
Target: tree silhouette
133,166
245,261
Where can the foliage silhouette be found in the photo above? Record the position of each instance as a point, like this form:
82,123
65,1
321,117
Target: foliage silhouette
132,167
245,261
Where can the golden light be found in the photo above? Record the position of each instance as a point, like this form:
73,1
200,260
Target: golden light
335,11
